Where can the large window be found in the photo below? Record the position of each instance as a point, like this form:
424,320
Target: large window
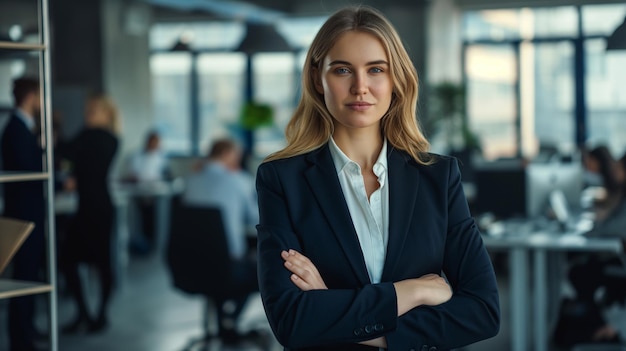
170,89
492,76
199,91
535,78
221,87
605,72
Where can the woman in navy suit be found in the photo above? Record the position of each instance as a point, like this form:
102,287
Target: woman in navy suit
365,239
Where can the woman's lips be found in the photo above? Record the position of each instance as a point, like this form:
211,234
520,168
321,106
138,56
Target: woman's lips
359,106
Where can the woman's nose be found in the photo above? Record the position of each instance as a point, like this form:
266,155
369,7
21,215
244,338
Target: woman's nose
359,84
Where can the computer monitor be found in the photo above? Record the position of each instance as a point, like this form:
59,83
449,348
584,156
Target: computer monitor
553,185
500,189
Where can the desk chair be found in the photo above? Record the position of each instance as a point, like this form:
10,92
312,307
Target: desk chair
200,264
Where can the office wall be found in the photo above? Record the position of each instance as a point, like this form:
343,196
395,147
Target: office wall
76,43
411,24
126,70
444,42
76,58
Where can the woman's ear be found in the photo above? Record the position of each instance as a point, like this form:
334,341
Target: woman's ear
317,81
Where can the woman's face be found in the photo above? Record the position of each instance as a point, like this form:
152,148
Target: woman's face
95,114
355,81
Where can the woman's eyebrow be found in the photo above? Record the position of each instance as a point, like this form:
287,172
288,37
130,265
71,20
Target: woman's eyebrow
346,63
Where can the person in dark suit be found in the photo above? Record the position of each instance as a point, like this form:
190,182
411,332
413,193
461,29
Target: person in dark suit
365,239
89,235
24,200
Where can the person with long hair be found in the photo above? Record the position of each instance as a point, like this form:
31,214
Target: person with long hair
365,238
600,162
89,236
581,318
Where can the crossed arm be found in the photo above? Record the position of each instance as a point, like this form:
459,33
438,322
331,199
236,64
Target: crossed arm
429,289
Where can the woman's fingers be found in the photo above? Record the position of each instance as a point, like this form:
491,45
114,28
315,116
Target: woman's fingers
433,289
305,274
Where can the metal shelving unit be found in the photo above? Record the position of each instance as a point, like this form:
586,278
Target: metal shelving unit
12,288
21,46
7,176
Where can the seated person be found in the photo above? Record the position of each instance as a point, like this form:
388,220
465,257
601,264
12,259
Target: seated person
221,183
600,164
147,165
581,320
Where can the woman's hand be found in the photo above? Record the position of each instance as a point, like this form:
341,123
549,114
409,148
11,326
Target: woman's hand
433,290
430,290
305,275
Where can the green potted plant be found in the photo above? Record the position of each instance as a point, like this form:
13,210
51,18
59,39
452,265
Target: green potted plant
255,115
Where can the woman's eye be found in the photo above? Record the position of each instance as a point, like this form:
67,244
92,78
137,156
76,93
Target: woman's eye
342,70
376,70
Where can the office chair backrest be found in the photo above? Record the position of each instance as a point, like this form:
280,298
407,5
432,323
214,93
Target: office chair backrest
197,251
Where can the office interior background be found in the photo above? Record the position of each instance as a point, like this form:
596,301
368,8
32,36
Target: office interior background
503,85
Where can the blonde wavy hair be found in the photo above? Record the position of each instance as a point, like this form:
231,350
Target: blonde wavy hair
311,125
106,104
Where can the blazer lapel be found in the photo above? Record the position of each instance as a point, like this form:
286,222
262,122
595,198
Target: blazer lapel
403,184
325,186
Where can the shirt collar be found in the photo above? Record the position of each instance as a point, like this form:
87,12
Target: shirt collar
380,167
341,160
28,120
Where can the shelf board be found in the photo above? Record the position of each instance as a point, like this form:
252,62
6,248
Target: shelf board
21,46
15,288
17,176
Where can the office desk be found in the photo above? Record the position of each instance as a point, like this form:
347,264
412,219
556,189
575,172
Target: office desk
539,244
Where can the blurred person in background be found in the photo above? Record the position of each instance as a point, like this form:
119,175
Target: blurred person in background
599,162
21,151
147,165
581,319
88,239
220,182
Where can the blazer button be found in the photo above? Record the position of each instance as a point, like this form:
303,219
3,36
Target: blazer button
425,348
358,331
433,349
368,329
379,327
411,349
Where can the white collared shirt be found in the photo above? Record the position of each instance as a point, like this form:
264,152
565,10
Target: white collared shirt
370,218
149,165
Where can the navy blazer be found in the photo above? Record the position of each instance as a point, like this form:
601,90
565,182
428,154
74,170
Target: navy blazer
430,231
21,152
